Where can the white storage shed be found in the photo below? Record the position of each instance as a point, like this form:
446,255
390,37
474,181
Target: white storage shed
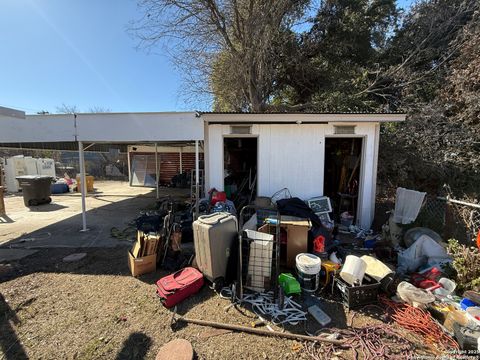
310,154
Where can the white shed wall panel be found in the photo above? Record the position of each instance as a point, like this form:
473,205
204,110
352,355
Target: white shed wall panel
38,128
132,127
288,156
292,156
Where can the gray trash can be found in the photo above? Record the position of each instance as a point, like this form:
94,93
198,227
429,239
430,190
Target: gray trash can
35,189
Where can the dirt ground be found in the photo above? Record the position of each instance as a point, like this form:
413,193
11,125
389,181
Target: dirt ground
94,308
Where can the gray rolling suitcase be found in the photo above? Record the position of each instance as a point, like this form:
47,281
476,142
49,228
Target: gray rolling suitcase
213,236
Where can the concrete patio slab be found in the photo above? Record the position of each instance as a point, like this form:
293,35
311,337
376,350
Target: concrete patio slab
114,204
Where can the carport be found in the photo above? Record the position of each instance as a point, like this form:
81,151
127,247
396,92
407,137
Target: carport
86,130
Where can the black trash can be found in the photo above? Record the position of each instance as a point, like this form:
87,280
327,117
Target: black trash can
35,189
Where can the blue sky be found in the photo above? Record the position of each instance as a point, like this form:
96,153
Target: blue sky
78,52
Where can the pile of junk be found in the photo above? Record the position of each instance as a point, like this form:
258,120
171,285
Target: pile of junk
284,259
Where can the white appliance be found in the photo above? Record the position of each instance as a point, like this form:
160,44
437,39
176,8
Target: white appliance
14,166
30,165
46,167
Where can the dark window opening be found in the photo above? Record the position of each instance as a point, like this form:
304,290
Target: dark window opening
240,170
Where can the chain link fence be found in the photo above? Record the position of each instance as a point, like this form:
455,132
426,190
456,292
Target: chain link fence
451,218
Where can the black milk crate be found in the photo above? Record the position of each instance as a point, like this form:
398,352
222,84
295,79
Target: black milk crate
355,296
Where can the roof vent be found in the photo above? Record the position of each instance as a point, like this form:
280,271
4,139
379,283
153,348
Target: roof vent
344,129
240,129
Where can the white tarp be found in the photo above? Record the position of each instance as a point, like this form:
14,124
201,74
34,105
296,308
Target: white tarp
407,205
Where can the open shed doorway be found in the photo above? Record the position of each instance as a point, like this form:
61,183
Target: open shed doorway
343,163
240,169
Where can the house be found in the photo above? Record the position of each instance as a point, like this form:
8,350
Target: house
310,154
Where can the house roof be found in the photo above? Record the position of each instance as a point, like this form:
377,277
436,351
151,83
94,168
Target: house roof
300,117
5,111
301,112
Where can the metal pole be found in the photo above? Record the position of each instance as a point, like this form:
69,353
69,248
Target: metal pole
197,180
181,160
83,185
256,331
156,170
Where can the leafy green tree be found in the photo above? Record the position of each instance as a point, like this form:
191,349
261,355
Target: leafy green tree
420,52
439,86
336,58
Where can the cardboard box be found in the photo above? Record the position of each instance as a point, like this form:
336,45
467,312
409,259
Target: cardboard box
142,265
297,236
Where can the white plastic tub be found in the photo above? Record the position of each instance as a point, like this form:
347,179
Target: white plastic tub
448,287
471,313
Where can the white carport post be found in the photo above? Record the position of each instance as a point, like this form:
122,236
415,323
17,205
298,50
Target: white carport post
83,185
181,159
197,180
157,174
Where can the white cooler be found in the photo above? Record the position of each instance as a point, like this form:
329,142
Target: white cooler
213,236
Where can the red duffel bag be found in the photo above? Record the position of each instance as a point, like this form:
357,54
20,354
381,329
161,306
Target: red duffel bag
176,287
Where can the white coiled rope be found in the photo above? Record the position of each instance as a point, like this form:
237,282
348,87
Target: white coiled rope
263,305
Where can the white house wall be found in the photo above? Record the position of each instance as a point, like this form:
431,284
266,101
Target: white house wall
292,156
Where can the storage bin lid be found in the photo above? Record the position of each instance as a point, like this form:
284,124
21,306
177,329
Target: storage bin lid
214,218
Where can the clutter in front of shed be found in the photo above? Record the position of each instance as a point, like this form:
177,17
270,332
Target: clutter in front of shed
284,259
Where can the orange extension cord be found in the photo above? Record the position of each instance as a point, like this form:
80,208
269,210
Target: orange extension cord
421,322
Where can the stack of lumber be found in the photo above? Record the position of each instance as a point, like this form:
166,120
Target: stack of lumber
146,244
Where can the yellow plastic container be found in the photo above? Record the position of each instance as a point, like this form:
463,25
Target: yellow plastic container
89,179
455,316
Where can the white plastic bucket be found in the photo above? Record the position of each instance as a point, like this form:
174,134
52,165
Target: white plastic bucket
308,271
353,270
448,286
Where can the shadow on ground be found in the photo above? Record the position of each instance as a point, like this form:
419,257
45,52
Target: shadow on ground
4,219
135,347
100,221
47,207
10,344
